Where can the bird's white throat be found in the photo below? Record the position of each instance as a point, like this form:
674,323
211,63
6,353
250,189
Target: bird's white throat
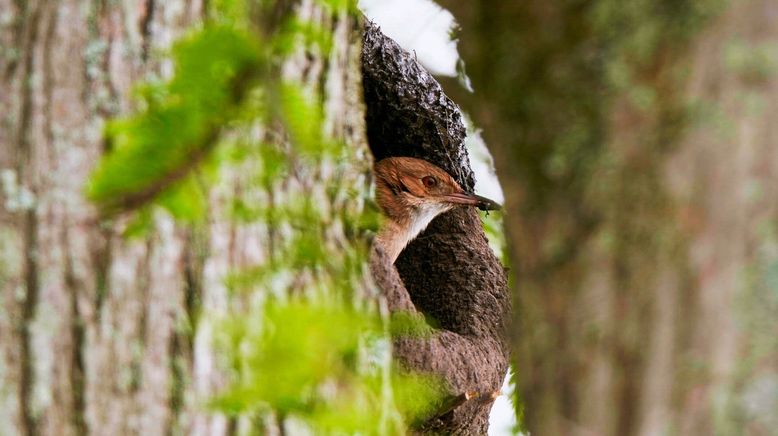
422,217
396,237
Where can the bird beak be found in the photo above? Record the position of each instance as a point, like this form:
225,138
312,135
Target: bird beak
466,199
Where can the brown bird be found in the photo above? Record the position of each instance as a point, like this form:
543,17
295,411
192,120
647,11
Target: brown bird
412,192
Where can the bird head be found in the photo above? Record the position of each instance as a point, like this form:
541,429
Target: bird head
414,190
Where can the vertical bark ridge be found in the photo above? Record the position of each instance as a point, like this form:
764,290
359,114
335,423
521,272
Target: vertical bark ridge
143,292
98,74
182,339
22,9
48,71
29,304
78,341
101,254
145,28
178,361
29,221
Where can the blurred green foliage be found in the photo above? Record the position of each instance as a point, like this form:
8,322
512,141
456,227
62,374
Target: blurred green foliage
179,124
307,360
753,63
302,339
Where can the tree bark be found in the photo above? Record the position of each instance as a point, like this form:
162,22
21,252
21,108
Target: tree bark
637,158
101,333
449,274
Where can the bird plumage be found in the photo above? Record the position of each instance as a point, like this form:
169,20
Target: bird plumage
412,192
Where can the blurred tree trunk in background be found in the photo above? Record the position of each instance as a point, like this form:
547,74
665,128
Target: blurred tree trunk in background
636,145
100,333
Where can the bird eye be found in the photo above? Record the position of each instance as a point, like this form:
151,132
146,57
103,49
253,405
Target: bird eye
429,181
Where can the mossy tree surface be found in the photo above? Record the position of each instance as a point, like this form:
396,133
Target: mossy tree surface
633,140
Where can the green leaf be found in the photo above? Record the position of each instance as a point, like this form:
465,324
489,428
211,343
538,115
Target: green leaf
304,119
158,147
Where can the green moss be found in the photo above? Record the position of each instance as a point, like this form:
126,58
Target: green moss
404,324
754,64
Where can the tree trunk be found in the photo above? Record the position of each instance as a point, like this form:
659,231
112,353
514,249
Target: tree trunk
448,273
100,332
635,146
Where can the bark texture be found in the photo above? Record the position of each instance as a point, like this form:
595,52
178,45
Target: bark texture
99,333
449,274
637,153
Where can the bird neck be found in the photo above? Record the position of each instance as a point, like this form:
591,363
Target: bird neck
397,233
